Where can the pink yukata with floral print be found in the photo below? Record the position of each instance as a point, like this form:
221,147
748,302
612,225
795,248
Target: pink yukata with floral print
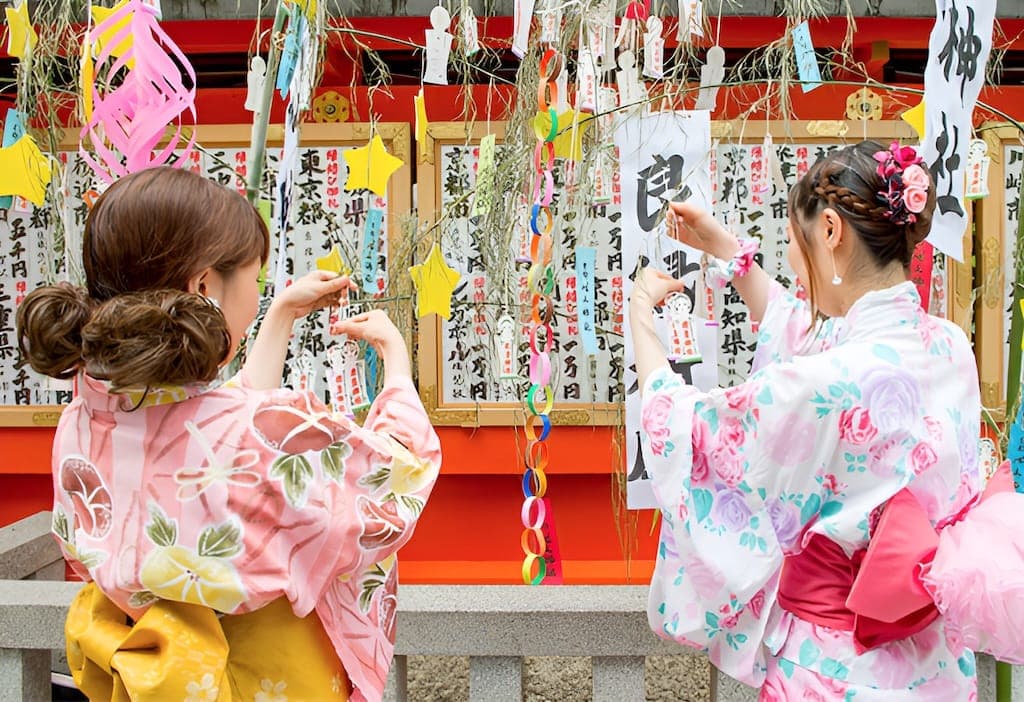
827,429
233,497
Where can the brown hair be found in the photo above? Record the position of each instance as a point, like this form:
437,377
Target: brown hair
847,180
135,324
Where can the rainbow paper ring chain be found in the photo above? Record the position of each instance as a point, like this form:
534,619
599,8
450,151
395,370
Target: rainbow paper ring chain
541,283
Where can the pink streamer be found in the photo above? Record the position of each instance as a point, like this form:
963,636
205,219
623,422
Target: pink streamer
129,121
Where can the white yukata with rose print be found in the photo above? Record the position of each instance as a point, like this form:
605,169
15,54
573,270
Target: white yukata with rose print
232,498
825,431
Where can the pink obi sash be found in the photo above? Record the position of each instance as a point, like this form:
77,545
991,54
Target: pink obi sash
878,593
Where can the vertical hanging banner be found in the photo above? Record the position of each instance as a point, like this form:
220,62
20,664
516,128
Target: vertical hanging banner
662,157
957,54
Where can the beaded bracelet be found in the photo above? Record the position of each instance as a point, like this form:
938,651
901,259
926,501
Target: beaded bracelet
741,262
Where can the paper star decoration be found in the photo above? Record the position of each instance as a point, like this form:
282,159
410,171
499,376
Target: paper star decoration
99,14
370,167
21,36
915,118
435,282
333,262
24,170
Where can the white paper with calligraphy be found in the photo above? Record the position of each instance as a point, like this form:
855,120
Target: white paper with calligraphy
322,215
470,341
957,53
1013,157
660,154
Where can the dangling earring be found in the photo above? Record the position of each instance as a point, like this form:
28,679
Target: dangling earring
836,279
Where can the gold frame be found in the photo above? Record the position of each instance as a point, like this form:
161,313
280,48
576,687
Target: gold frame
397,136
989,308
429,363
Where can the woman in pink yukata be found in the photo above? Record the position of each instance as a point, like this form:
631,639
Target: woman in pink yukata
239,539
770,491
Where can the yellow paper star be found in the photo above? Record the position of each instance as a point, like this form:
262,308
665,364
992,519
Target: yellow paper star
99,14
333,262
435,281
24,170
370,167
21,35
569,142
915,118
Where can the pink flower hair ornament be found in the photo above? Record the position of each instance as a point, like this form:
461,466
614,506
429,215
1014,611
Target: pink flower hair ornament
905,183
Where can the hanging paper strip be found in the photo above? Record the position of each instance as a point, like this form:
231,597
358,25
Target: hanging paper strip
14,129
130,120
586,262
371,249
921,271
1015,450
539,563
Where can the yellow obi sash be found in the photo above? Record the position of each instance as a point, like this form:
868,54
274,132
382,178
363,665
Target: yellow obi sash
180,651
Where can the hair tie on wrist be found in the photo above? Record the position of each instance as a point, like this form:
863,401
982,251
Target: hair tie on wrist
740,264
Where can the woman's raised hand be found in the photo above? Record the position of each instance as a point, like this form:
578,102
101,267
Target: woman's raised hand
313,291
651,287
694,226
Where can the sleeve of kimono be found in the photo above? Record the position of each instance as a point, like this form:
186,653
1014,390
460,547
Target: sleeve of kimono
734,472
356,492
403,459
786,329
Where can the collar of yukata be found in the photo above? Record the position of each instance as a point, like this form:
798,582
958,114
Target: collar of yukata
876,311
97,393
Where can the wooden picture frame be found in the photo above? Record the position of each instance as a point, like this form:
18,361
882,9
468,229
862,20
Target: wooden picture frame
431,364
397,137
994,245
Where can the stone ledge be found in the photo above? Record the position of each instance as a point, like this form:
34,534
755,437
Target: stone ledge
27,546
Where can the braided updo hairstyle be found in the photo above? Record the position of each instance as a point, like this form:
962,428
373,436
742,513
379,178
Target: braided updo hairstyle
136,324
847,180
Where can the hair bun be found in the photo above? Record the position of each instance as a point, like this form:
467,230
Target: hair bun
156,337
50,321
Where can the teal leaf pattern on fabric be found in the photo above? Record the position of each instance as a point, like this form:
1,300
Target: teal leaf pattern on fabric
886,353
808,654
810,509
702,501
834,669
966,664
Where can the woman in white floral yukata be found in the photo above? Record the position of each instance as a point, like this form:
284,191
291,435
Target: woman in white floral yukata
239,540
770,491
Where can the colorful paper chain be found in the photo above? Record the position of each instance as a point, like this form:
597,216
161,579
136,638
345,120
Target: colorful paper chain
541,281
